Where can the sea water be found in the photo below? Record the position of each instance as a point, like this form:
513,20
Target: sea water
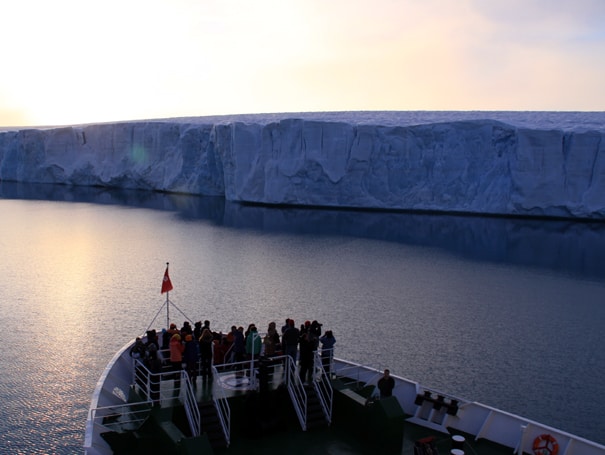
507,312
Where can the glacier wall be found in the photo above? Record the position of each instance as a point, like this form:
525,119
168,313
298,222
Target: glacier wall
469,165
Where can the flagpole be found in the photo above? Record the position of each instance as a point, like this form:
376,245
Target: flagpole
167,304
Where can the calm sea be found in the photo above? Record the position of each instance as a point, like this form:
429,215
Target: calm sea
508,312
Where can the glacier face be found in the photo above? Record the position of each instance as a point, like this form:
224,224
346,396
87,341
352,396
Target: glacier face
543,164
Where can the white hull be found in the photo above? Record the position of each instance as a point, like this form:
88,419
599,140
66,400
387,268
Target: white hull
477,419
472,418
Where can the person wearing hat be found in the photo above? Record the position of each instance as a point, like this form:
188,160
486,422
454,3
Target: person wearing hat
176,359
173,330
327,350
167,335
137,351
315,329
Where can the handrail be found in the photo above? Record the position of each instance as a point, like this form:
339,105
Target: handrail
327,358
191,408
296,391
359,373
122,417
149,383
227,354
323,387
222,408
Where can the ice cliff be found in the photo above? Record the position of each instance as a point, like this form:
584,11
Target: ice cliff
547,164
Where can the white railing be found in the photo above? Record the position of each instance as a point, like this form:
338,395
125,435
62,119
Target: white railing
152,386
222,408
121,418
156,387
323,387
296,391
356,372
191,408
327,360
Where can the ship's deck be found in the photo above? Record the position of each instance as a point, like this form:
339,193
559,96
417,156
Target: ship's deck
152,415
250,434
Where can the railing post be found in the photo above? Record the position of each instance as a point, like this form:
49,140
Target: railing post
252,364
148,385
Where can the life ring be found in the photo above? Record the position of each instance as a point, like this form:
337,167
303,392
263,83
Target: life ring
545,444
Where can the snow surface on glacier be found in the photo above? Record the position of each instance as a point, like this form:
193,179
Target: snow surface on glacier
511,163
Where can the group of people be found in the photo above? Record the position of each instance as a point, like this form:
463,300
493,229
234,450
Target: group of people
198,348
304,342
198,345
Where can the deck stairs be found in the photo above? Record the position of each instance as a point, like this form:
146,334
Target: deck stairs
312,402
316,417
211,425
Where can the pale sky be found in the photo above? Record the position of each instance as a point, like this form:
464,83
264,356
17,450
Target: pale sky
83,61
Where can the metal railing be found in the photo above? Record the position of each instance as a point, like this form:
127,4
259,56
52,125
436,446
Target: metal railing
121,418
222,408
191,408
296,391
155,387
323,387
358,373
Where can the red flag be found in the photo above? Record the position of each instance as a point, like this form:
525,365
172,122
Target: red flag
166,283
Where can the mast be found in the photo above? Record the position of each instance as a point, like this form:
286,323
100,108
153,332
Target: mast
167,287
166,276
167,309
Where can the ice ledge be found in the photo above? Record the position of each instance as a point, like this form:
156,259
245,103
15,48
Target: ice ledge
471,165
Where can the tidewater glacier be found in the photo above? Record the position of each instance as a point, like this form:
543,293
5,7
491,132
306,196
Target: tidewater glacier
505,163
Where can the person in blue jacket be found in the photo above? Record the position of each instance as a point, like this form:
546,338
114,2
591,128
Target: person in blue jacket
327,350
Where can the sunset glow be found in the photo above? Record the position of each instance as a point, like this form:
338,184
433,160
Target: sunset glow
69,62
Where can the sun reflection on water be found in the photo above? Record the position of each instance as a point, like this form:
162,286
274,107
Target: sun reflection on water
80,279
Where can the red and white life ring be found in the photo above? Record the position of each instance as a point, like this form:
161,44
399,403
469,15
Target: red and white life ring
545,444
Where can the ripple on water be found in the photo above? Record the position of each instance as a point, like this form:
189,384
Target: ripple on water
526,340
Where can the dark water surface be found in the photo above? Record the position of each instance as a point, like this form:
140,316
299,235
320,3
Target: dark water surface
508,312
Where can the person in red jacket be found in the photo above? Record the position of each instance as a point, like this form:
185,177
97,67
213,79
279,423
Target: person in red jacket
176,359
